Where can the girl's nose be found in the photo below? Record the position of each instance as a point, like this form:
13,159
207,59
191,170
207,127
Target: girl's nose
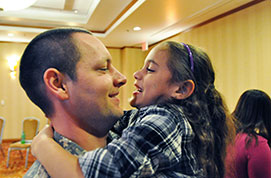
137,74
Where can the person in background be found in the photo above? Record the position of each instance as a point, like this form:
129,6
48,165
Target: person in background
250,156
68,74
181,127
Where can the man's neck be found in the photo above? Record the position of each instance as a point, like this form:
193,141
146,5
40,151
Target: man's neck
70,130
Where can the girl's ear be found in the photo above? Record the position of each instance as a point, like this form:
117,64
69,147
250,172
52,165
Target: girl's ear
183,90
54,81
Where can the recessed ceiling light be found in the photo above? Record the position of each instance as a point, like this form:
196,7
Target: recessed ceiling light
136,28
13,5
75,11
10,34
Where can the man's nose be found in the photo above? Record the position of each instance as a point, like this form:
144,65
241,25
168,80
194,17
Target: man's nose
119,79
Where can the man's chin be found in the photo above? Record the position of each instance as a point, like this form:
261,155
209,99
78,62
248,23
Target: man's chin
119,113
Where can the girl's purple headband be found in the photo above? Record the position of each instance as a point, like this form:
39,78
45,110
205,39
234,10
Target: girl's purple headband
190,56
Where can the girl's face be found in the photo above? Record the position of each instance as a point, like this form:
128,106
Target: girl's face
152,82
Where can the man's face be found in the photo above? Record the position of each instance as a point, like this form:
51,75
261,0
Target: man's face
93,101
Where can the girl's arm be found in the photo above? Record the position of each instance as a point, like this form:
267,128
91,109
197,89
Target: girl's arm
58,162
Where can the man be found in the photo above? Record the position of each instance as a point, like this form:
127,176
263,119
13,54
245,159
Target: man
68,74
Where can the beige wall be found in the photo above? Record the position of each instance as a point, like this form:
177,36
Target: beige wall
132,60
239,46
16,104
127,61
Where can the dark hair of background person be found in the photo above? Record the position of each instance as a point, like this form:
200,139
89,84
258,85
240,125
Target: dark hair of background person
253,115
207,113
52,49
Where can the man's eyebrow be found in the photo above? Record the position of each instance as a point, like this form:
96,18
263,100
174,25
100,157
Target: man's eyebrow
106,60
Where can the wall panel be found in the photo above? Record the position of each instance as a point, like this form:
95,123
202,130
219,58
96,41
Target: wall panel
16,104
239,47
132,60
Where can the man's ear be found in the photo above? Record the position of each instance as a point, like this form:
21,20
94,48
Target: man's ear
54,81
184,90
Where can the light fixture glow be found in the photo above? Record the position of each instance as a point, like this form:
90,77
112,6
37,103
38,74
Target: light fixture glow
10,34
13,5
13,62
12,75
136,28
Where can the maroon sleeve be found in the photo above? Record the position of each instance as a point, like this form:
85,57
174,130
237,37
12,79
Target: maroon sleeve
259,160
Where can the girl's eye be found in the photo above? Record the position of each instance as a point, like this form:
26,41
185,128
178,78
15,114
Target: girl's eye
150,70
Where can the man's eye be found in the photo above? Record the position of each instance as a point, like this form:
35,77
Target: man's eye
104,69
150,70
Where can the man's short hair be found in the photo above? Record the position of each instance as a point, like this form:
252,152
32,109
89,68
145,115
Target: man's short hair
51,49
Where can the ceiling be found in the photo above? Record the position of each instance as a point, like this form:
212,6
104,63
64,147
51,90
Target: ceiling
112,21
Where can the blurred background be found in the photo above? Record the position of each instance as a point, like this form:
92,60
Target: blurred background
235,33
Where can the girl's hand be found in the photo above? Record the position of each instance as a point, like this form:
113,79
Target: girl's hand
53,157
40,139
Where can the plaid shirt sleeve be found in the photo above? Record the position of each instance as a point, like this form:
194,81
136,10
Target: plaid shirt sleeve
150,144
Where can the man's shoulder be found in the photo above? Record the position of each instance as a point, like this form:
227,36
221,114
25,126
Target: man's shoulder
68,144
38,171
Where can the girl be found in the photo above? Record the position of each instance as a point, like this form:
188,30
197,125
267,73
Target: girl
180,129
251,152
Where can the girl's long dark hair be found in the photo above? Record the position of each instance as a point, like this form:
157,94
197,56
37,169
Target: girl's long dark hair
205,108
253,115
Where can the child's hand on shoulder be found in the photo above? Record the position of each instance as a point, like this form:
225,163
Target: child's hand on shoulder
41,138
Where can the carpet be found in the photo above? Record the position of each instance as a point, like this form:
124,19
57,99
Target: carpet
16,167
